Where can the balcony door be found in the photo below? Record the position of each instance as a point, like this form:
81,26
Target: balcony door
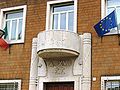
59,86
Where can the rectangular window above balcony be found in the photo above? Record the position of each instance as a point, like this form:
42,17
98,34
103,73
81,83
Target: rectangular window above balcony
62,15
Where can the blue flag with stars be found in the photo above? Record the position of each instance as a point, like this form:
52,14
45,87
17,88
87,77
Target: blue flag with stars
106,24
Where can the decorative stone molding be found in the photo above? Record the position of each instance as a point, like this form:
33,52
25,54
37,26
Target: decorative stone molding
76,80
42,68
77,68
62,69
33,67
59,67
86,79
58,44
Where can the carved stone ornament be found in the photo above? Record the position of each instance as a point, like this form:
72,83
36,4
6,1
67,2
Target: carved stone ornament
59,67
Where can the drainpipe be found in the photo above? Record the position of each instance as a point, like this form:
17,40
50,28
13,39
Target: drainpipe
86,79
33,68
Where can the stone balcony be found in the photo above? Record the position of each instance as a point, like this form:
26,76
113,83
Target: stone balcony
53,44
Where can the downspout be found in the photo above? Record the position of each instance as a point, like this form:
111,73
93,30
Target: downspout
33,67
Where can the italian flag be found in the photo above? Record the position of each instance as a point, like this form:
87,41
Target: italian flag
3,43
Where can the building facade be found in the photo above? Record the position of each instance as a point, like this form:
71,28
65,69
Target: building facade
53,45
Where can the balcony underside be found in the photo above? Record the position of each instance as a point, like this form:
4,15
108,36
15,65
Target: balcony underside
54,53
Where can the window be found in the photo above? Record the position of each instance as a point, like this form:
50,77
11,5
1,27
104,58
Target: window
10,84
110,83
62,15
111,5
13,23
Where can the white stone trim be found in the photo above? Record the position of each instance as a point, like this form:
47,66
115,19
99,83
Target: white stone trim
58,41
80,71
76,81
78,64
42,71
107,78
12,81
49,3
86,79
34,66
103,8
2,19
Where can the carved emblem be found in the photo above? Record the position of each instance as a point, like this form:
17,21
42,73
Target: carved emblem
59,67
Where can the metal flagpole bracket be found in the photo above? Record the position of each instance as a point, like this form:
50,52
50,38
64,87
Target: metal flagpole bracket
1,33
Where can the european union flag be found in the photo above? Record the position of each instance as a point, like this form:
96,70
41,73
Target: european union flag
106,24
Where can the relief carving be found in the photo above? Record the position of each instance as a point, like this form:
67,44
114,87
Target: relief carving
59,67
59,70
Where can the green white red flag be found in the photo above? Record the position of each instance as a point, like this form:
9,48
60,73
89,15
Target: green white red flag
3,43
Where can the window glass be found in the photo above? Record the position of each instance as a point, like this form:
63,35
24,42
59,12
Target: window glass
113,2
14,21
55,21
109,10
20,29
7,30
63,17
70,20
14,15
114,5
63,21
112,85
63,8
118,17
8,86
13,29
